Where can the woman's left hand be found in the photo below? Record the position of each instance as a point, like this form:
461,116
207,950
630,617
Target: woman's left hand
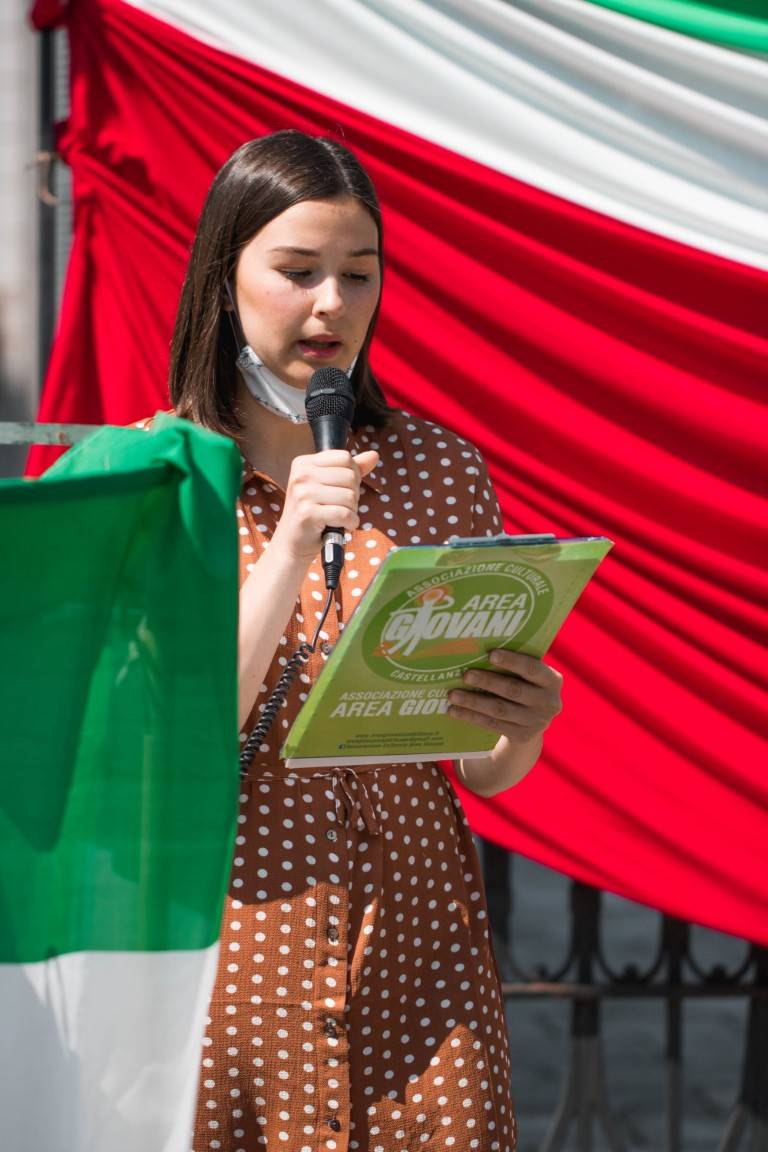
519,701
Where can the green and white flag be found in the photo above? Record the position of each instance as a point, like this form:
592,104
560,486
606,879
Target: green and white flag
118,769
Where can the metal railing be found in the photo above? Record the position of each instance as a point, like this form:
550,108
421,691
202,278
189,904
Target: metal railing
26,432
586,979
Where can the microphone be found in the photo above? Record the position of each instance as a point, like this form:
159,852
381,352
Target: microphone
330,404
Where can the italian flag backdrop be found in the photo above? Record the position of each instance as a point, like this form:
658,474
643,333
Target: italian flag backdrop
576,223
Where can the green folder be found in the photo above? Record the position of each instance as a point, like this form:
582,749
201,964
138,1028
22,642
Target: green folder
431,612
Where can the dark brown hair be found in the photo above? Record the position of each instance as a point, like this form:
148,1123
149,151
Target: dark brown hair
259,181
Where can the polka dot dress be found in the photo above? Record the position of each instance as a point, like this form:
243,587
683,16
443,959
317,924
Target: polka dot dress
357,1003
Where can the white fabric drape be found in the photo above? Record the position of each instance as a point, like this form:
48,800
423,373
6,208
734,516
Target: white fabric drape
653,128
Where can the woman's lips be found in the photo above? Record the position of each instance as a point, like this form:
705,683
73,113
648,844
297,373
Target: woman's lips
320,349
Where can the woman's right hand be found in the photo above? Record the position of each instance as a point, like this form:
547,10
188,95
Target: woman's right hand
323,491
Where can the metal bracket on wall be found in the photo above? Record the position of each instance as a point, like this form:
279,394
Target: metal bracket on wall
44,162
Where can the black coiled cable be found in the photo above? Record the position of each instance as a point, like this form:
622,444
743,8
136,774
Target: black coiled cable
280,693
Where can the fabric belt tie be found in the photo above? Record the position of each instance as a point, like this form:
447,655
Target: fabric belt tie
351,795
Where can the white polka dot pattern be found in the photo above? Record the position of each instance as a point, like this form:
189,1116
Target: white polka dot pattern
357,1003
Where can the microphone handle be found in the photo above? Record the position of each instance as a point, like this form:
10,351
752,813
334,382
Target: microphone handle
331,432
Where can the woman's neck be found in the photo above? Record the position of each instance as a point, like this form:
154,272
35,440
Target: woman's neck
269,442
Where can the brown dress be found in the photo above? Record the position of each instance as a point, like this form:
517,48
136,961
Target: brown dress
357,1002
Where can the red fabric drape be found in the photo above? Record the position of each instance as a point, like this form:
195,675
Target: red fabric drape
614,381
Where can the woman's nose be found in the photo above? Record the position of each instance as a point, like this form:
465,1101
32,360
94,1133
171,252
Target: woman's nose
329,300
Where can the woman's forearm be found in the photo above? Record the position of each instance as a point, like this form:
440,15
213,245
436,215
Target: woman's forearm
267,599
504,767
322,489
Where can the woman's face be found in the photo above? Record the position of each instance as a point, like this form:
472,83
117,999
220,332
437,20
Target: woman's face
307,286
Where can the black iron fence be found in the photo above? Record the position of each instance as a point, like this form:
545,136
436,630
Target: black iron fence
585,979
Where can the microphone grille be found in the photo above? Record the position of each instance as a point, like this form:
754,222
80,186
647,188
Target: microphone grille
329,393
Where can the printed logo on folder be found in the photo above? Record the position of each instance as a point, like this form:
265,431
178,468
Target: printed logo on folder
440,625
431,612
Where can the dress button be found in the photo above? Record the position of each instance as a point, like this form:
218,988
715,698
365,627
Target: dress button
331,834
334,1124
333,935
329,1028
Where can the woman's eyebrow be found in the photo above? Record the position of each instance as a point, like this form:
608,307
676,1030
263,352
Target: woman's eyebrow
314,252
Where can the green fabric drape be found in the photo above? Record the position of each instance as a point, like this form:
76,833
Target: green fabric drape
118,611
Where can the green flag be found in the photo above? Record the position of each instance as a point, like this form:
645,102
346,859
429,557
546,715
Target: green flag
118,695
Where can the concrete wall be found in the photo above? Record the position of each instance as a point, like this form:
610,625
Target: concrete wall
18,205
20,366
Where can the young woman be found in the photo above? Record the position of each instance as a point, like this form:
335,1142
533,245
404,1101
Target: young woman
357,1003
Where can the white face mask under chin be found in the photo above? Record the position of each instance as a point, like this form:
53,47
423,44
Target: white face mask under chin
269,390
